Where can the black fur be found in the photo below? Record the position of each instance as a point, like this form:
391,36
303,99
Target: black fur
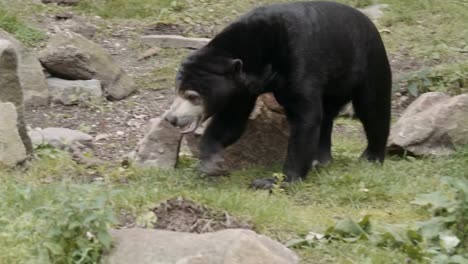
314,57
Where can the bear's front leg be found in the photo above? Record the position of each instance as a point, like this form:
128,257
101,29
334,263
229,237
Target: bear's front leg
224,129
302,146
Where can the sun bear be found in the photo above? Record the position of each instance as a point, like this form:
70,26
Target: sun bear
313,56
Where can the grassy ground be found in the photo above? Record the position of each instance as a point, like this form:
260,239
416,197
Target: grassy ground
38,197
346,188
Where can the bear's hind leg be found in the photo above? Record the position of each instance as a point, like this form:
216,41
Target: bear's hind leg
373,109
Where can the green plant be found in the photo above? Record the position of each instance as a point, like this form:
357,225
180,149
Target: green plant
446,233
10,22
452,79
66,223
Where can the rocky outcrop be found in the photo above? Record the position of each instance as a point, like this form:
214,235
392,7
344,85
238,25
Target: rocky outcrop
433,125
69,55
31,75
229,246
11,89
73,92
160,146
12,150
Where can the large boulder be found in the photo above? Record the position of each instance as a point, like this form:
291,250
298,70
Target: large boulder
12,150
264,142
11,89
433,125
30,73
69,55
159,148
229,246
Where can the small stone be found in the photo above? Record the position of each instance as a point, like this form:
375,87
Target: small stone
64,16
149,53
101,137
120,133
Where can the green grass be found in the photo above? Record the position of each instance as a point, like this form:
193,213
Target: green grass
346,188
11,20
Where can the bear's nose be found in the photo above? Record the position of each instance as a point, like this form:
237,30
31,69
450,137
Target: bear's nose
171,118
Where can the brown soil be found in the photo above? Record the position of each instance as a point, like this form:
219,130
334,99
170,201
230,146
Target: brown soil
183,215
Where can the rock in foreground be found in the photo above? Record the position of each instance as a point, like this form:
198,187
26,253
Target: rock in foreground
229,246
433,125
12,150
160,146
11,89
71,56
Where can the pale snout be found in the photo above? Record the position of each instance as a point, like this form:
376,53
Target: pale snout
185,114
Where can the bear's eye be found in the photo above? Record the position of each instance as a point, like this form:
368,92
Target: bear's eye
192,96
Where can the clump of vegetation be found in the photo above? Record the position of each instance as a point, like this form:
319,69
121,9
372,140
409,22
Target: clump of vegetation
446,232
441,239
63,223
451,78
10,22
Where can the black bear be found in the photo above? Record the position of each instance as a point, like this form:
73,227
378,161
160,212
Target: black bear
313,56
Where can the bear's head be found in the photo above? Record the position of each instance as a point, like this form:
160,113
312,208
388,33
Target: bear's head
206,82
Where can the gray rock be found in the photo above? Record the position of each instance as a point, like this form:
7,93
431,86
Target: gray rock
174,41
12,150
71,56
159,148
30,73
61,138
72,92
433,125
11,89
374,12
229,246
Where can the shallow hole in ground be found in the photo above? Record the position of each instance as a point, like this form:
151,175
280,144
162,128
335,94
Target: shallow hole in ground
182,215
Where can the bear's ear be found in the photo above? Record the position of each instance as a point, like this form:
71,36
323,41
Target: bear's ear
236,66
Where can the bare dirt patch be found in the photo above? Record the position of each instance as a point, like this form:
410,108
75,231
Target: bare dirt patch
186,216
182,215
116,125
